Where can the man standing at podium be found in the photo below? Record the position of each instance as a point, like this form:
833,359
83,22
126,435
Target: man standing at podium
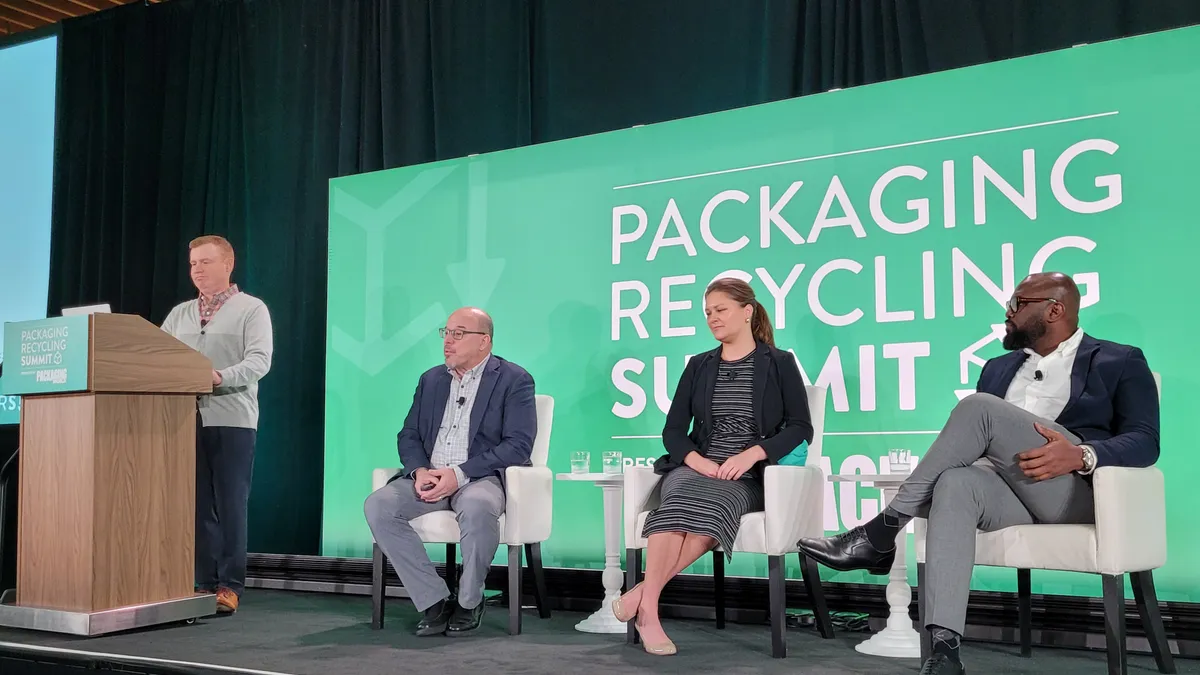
232,329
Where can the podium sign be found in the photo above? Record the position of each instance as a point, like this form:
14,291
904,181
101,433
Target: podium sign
47,356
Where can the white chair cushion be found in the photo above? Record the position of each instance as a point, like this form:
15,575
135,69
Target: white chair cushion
752,534
441,527
1070,548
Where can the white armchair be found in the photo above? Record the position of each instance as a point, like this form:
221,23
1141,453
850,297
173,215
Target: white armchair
794,497
525,523
1129,537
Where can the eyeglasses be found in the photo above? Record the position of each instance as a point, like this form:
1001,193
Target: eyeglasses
458,333
1016,302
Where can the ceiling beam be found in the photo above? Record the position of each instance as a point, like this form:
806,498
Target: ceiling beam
59,9
37,14
90,5
17,19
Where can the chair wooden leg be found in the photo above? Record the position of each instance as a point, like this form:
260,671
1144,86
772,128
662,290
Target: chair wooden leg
452,568
378,589
1147,604
778,600
1114,622
514,590
922,623
816,592
719,587
533,558
1025,611
633,570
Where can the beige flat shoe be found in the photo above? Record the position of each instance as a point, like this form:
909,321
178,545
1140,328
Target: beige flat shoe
619,610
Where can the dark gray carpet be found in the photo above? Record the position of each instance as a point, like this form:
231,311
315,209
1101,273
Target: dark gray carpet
314,634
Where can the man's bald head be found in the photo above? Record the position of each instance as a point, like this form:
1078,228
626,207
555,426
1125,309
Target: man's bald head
467,338
1054,285
1043,312
474,318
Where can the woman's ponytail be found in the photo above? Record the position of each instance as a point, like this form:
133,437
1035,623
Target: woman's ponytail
760,325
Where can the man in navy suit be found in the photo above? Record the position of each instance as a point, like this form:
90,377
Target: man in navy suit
1021,450
470,419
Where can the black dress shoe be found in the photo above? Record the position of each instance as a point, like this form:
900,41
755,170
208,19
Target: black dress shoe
436,618
940,664
465,621
850,550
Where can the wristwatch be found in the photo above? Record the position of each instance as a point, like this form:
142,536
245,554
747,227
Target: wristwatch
1089,460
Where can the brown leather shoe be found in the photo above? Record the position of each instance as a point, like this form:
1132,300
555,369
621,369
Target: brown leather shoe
227,601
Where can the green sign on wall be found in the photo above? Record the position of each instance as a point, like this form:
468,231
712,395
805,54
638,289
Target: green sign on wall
883,227
46,356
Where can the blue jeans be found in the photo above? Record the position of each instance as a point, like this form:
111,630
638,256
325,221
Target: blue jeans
224,466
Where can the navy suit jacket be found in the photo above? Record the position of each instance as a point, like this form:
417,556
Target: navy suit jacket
1113,405
503,420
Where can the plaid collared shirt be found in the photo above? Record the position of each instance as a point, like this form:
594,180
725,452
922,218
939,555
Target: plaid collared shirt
454,436
209,306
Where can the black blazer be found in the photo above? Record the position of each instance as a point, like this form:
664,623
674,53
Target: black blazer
780,407
1114,400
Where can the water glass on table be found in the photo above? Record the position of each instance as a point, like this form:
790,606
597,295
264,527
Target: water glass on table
898,460
580,461
613,461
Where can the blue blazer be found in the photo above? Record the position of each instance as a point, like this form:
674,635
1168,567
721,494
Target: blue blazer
1113,405
503,420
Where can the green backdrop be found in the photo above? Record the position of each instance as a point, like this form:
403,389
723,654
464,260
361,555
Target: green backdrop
882,226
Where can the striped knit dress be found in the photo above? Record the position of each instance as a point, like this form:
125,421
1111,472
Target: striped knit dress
713,507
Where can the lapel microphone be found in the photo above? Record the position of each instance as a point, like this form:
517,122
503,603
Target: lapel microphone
463,399
1037,375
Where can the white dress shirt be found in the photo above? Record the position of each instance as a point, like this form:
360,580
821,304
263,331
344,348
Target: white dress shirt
1043,384
454,434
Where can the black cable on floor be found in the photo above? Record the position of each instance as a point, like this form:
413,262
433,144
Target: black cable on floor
852,622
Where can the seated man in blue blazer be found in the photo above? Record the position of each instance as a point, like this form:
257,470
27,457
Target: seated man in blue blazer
470,420
1021,450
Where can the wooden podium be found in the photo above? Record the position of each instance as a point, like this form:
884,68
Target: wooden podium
107,474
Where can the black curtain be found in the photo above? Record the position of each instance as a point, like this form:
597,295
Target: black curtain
230,116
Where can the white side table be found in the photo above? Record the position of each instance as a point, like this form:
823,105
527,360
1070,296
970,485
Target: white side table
898,639
613,485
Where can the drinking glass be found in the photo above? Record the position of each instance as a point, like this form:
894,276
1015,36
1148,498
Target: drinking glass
613,461
898,458
580,459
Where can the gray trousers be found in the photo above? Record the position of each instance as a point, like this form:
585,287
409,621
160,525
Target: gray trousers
959,494
477,507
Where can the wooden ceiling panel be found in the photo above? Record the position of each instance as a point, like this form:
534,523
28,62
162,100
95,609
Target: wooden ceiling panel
17,16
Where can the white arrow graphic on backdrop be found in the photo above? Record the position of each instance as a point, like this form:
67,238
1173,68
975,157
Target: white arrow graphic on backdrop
969,356
475,278
375,352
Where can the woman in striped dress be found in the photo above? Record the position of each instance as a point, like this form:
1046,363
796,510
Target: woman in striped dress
737,409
